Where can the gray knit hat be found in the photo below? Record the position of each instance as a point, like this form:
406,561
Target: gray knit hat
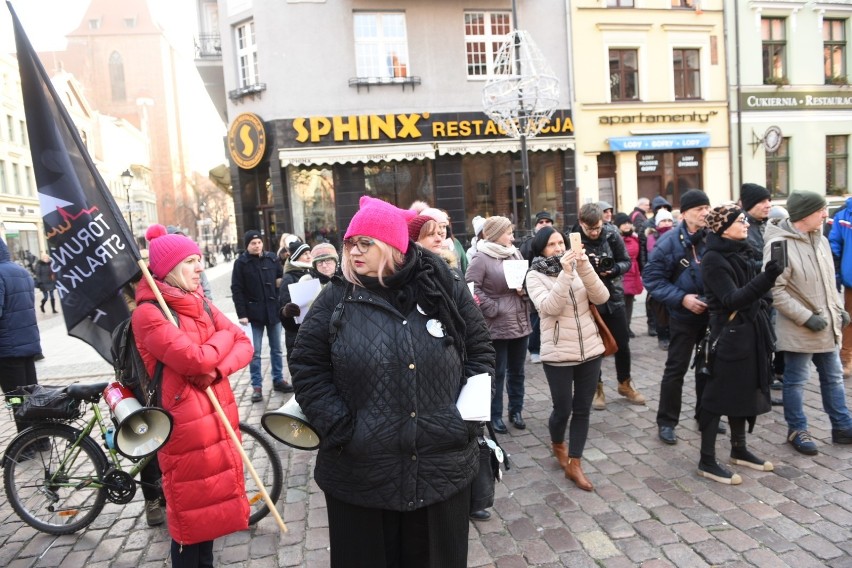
800,204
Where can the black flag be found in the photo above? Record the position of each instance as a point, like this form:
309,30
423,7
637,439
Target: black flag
91,247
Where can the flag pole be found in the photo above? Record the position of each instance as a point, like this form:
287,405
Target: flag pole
222,417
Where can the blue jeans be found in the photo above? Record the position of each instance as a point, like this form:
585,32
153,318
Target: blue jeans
511,356
796,373
273,332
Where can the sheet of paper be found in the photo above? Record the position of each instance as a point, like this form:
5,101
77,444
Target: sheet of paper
246,327
474,401
470,287
303,294
515,271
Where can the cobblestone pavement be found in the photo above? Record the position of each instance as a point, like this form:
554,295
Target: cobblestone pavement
649,507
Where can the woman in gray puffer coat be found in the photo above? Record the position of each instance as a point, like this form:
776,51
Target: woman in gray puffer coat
507,313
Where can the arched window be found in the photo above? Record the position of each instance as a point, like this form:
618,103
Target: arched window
116,77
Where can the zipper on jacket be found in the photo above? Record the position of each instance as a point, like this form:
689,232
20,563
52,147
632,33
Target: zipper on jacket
577,322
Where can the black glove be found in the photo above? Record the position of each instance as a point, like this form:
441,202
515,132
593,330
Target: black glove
844,318
816,323
773,269
291,310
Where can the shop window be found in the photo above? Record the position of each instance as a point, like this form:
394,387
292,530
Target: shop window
834,51
778,171
687,73
400,183
493,185
624,74
247,54
774,40
116,77
381,45
484,33
836,165
670,174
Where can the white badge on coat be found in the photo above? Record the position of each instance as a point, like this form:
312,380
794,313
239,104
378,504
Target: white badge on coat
435,328
419,309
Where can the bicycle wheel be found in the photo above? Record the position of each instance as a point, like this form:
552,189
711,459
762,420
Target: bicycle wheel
53,486
263,457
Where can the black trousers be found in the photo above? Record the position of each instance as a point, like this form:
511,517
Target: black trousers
429,537
534,345
616,321
572,388
684,338
199,555
17,372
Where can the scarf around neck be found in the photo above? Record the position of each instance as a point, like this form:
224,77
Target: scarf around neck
495,250
550,266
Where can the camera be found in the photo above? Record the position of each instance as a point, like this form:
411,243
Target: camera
602,262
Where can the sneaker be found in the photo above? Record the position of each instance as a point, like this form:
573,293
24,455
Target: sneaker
535,358
154,513
633,396
652,332
777,386
663,344
842,436
803,442
257,394
718,473
741,456
282,386
599,402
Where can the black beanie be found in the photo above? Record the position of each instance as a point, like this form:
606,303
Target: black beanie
751,194
251,235
800,204
693,198
620,219
539,240
297,249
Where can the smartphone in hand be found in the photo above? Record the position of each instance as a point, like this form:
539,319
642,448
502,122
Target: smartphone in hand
778,253
576,242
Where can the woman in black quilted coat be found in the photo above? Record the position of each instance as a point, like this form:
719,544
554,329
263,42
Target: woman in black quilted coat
738,302
378,366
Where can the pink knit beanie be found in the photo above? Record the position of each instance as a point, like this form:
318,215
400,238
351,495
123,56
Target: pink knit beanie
381,220
166,251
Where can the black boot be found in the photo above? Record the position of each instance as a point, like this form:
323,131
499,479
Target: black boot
52,306
43,302
741,456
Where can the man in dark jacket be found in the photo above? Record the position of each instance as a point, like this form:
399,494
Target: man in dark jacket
19,337
254,285
608,255
673,277
297,265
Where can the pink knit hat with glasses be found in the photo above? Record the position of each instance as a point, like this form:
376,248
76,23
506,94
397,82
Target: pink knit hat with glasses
382,221
166,251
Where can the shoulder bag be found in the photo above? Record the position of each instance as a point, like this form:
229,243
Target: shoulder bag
610,345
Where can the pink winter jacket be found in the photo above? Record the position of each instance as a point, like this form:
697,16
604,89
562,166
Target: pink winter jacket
568,330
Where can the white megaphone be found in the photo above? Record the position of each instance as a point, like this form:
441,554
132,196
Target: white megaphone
288,424
140,430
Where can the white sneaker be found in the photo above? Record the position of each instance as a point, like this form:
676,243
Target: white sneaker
535,358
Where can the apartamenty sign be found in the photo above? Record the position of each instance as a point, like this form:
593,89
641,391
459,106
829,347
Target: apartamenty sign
797,100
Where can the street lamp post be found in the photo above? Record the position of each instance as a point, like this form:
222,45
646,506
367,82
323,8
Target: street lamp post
127,181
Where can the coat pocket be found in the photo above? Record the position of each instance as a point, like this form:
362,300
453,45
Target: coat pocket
735,343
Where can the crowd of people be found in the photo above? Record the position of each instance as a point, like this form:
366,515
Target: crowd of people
403,316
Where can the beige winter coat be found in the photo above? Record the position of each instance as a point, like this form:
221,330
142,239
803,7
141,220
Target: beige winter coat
568,330
806,286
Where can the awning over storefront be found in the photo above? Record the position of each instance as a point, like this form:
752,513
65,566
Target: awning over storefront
504,145
315,156
15,228
659,142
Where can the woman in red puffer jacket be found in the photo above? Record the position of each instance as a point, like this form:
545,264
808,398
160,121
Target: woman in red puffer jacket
202,470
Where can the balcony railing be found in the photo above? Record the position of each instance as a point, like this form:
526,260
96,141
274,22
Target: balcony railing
208,45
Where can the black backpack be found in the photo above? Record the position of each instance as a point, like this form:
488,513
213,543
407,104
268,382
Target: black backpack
128,365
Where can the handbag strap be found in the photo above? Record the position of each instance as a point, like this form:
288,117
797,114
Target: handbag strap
494,437
730,319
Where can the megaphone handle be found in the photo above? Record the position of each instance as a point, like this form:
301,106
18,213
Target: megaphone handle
233,435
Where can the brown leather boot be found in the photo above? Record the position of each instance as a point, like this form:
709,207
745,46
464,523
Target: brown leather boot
626,390
599,402
574,472
560,450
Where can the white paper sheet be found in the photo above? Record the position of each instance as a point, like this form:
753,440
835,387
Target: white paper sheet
515,271
474,401
246,327
470,287
303,294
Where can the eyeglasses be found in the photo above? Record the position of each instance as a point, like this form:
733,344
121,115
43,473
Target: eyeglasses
742,220
588,229
363,245
330,260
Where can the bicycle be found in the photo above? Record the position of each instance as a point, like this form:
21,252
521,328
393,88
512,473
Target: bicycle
58,479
